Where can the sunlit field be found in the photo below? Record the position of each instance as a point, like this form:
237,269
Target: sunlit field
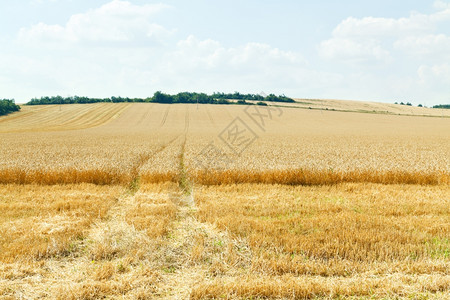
136,201
341,240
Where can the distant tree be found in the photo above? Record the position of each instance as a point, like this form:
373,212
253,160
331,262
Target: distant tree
446,106
237,95
223,101
8,106
159,97
182,97
420,105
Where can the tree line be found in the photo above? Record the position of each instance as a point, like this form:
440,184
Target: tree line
252,97
159,97
8,106
446,106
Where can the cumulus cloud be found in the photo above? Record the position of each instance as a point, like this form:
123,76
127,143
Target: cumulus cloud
119,22
208,65
435,74
371,38
351,50
110,50
441,5
425,45
210,54
383,27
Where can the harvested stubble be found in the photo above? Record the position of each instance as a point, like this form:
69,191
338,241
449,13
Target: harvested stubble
56,117
38,222
391,239
151,212
312,287
121,253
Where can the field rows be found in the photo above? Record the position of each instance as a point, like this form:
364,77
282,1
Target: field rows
165,201
67,117
298,147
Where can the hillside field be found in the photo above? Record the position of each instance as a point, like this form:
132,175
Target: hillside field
318,200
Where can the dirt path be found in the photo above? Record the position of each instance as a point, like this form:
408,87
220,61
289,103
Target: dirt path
198,251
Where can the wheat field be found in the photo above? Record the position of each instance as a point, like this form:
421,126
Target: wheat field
143,201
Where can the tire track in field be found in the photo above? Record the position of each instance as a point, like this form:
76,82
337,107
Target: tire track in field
166,113
228,112
109,241
142,160
186,122
210,116
145,115
186,232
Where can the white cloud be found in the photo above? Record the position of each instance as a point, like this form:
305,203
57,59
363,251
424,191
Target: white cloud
426,45
352,50
55,59
370,27
370,38
210,54
117,22
435,74
441,5
207,64
190,64
408,57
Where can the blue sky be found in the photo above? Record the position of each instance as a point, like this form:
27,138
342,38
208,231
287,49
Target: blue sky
364,50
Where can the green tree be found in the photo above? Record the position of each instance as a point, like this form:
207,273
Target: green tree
8,106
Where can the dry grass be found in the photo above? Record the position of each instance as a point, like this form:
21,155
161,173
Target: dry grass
38,222
367,235
120,252
308,287
151,213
